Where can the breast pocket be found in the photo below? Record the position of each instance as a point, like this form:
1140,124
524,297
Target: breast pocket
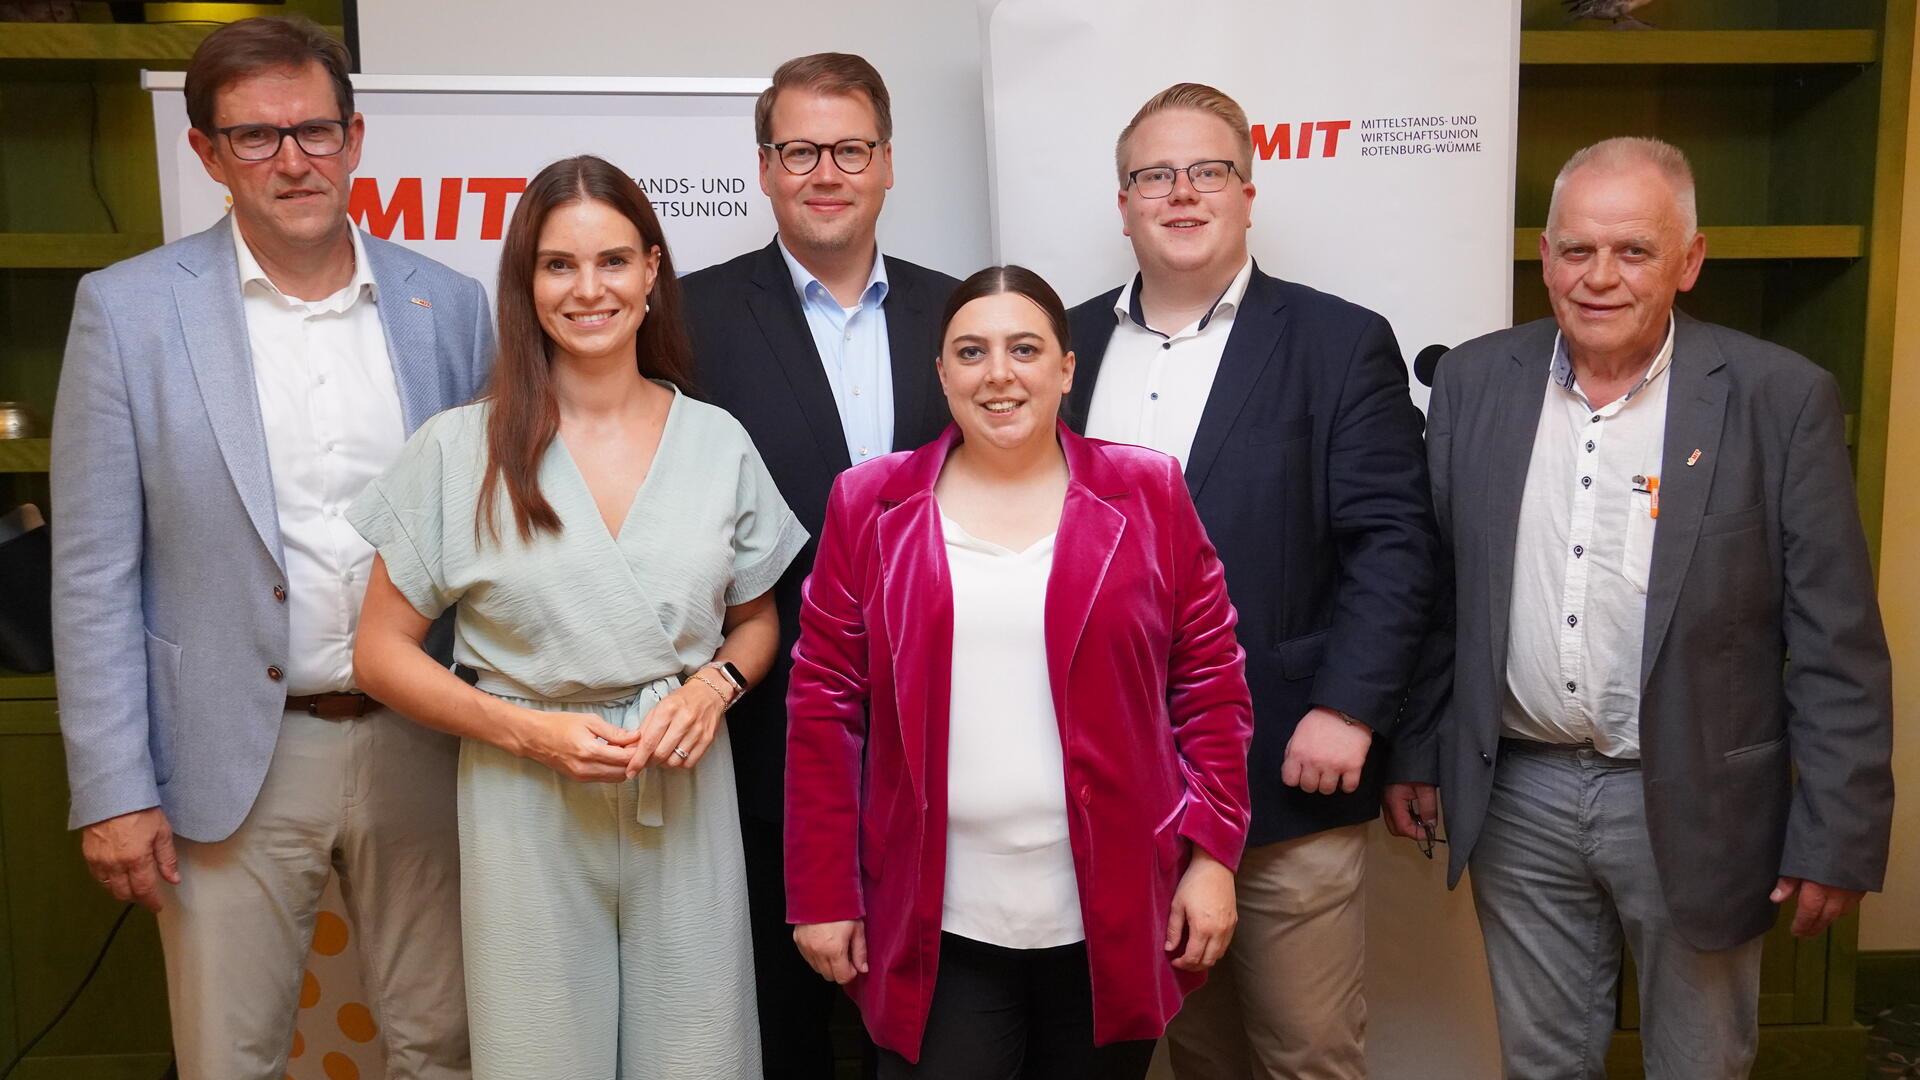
1636,561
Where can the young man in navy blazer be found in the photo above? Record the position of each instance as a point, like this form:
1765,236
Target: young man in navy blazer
823,349
1289,411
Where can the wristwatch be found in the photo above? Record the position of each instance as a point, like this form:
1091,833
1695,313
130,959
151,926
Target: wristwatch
732,675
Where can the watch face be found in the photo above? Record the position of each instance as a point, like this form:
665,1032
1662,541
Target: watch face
733,675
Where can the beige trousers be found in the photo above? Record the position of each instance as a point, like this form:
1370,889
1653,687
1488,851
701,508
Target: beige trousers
1285,1002
373,801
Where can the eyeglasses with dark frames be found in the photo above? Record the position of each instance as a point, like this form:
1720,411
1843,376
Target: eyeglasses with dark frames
260,142
1426,840
1156,181
800,157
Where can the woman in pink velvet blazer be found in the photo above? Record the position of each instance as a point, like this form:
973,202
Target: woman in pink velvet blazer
1134,659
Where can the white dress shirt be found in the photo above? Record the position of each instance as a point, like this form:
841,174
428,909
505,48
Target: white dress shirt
852,342
1581,560
1010,875
331,410
1154,386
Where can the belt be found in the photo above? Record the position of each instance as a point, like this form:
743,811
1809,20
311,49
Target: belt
350,705
1515,745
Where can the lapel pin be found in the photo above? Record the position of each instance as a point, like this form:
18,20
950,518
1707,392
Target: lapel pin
422,301
1693,458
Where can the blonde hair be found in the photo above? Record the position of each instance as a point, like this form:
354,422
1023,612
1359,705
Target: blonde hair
1198,97
1624,152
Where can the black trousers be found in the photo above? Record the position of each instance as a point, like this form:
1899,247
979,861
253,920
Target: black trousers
1015,1014
796,1005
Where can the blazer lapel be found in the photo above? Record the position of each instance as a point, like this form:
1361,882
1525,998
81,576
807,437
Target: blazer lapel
1515,420
406,316
1089,351
1258,328
1696,415
907,337
776,308
1090,532
214,325
917,603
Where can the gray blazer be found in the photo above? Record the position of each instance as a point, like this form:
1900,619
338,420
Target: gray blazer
166,543
1764,655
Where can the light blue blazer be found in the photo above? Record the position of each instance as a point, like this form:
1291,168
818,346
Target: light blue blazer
166,543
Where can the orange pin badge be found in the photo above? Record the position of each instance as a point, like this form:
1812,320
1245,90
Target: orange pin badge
1653,497
422,301
1693,458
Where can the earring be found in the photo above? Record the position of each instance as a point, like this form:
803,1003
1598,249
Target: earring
645,307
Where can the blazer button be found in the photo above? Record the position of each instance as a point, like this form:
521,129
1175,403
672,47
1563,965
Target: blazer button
280,594
1086,794
1488,758
274,673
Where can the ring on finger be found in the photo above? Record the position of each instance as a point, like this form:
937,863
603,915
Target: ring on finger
680,752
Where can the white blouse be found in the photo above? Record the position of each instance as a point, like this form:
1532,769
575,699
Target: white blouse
1010,879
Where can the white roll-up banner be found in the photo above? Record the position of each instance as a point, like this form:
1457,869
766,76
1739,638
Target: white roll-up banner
446,157
1383,135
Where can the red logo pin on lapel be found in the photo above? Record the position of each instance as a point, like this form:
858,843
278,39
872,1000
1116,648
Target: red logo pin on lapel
422,301
1693,458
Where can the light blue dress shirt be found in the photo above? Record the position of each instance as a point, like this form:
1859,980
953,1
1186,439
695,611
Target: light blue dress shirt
853,349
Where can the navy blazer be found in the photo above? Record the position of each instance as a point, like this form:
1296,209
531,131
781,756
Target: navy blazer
755,358
1311,479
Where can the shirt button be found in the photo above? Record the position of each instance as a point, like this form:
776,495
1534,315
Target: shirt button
863,451
1573,620
1579,550
1571,687
280,594
1589,446
1586,481
1155,395
274,673
1166,344
321,379
1595,419
856,391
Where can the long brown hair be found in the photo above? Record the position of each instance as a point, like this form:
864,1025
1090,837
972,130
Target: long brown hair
526,415
1018,280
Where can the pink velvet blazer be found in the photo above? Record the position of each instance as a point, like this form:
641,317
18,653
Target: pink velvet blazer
1150,693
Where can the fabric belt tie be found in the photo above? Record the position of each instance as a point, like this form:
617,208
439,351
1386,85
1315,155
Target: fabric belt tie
649,786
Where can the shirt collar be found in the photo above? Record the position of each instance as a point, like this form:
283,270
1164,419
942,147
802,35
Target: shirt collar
1127,307
1563,375
809,287
252,276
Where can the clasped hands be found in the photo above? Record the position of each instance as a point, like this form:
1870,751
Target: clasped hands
583,747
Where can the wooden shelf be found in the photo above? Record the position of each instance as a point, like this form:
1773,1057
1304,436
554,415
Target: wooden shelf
1699,46
152,42
24,455
1749,242
71,251
17,687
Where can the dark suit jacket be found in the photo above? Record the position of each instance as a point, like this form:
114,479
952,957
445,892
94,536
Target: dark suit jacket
1763,652
755,358
1310,479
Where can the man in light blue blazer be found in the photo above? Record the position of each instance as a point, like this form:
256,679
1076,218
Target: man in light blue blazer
223,400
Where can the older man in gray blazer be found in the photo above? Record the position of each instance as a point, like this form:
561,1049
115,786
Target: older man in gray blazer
1659,702
223,400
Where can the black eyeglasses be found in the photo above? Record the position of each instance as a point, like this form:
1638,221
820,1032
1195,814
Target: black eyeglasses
1426,840
801,157
259,142
1156,181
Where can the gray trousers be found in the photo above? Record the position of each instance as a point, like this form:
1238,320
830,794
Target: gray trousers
1563,874
373,801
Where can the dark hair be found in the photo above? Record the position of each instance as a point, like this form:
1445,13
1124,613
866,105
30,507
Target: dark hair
825,73
526,414
995,280
263,43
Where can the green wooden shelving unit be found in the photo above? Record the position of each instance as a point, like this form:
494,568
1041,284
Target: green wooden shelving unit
78,191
